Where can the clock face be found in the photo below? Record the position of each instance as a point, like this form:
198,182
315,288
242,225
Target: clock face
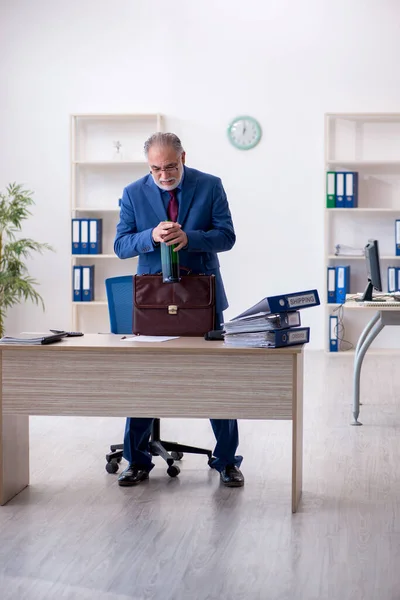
244,133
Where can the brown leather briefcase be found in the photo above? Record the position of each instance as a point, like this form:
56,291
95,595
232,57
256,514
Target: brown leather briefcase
186,308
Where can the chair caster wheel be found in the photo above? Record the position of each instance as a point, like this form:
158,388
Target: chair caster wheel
173,471
177,455
112,466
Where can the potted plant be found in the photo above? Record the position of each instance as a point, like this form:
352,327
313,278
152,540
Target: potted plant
15,283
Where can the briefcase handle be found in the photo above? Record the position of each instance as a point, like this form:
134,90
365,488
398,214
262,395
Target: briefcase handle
186,269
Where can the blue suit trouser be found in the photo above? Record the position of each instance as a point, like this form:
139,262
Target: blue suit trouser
137,436
138,431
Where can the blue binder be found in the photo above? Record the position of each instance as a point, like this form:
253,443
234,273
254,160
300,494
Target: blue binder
392,279
87,283
84,236
284,303
76,236
397,238
95,236
342,283
77,284
291,337
294,301
340,190
397,279
333,339
331,285
351,189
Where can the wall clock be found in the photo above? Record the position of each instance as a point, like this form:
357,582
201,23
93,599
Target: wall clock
244,133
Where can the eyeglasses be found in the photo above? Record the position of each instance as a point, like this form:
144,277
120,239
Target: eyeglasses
168,169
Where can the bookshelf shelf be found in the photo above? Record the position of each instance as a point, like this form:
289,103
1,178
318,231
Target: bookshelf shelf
109,163
369,144
347,211
106,156
343,257
90,304
95,209
386,164
93,256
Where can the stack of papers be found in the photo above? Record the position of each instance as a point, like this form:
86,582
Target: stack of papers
343,250
29,340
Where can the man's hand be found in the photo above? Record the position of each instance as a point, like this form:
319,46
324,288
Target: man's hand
163,229
170,233
176,236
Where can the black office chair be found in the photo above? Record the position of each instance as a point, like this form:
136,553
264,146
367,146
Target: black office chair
120,307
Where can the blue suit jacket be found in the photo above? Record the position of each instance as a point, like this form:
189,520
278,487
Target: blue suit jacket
203,213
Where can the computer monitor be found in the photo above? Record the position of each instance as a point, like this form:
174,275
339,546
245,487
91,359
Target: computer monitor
373,270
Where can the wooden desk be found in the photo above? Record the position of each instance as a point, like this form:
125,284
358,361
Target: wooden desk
100,375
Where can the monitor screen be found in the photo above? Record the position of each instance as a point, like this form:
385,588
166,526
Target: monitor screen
373,269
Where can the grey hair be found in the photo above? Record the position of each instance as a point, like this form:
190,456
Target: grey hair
163,139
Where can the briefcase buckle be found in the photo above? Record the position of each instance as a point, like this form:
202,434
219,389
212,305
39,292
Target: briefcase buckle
172,309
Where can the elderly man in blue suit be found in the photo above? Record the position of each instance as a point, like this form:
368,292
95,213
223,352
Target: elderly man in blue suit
176,205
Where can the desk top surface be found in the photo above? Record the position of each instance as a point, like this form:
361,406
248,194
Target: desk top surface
109,342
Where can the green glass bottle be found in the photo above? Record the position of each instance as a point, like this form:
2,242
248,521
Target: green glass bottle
169,263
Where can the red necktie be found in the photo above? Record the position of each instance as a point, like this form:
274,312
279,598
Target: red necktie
173,206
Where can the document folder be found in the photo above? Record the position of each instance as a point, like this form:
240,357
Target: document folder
95,236
269,339
392,279
266,322
87,283
84,236
77,283
331,283
351,189
330,189
397,233
333,340
283,303
342,283
76,236
340,190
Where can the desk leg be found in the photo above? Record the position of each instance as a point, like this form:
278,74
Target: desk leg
373,328
14,453
297,431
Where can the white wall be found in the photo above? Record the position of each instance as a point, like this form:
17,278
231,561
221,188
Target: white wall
200,64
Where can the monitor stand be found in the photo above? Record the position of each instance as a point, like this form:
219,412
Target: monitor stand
367,295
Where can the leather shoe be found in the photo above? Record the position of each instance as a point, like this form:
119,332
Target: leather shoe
132,476
231,476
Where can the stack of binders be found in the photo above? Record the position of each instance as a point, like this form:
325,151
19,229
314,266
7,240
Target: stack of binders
393,276
338,284
271,323
83,283
87,236
341,189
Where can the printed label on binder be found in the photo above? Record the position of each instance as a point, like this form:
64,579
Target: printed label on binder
297,301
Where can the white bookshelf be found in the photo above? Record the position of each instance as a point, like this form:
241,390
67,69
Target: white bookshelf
368,143
98,176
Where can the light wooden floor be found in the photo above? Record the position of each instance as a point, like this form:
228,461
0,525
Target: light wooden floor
74,534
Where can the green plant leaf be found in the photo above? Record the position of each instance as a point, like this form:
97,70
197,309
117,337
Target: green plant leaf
16,285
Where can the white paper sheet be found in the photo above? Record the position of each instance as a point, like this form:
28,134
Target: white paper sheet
148,338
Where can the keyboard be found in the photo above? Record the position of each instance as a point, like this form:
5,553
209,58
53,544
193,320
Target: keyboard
383,304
